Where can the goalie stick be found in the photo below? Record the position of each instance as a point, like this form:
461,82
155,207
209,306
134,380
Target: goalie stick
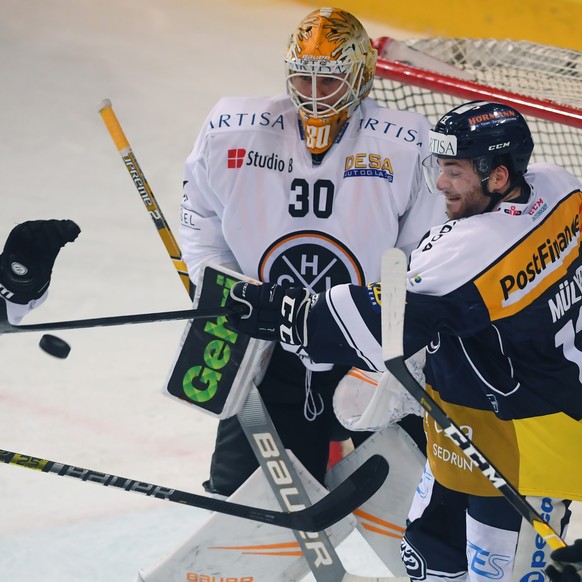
394,268
338,503
253,416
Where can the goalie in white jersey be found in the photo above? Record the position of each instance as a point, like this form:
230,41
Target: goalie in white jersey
305,188
494,294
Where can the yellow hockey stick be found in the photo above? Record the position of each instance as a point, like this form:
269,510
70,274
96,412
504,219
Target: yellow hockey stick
145,192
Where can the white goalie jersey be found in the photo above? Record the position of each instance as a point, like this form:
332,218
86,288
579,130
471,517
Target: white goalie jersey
255,199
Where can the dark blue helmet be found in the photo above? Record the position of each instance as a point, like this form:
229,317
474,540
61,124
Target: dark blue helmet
490,134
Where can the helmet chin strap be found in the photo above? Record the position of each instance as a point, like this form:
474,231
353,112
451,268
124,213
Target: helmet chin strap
497,197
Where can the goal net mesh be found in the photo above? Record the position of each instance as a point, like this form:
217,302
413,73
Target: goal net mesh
530,70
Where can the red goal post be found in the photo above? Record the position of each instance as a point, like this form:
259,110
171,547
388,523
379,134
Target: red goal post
432,75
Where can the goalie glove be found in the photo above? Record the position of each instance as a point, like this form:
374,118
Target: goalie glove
370,401
566,563
270,312
29,255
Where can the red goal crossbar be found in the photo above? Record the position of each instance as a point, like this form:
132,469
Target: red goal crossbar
413,74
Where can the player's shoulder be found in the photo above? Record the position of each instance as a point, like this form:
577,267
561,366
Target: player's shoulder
550,177
457,251
242,113
453,253
395,125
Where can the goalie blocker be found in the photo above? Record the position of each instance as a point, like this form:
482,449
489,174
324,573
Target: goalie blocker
215,366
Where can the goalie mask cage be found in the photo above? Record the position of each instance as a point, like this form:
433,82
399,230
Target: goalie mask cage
433,75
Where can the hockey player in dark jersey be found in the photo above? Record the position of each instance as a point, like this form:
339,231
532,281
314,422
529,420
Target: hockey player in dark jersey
26,264
495,295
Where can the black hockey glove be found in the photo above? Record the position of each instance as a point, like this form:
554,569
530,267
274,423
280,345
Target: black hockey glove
270,312
29,254
567,563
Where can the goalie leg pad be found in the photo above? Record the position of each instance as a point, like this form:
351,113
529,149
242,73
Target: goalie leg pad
230,548
382,519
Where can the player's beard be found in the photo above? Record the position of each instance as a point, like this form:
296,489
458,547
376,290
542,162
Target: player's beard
466,204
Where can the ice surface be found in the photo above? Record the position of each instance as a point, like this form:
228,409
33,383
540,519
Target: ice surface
163,63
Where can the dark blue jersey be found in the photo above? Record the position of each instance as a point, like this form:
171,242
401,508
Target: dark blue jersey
496,299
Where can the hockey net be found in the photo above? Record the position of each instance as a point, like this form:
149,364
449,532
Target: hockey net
433,75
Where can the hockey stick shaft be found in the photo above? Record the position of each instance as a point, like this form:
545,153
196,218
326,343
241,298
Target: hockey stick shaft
145,192
122,320
393,302
344,499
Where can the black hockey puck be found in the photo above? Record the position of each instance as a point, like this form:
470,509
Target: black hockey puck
54,346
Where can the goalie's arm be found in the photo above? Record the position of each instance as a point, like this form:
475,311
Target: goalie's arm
201,211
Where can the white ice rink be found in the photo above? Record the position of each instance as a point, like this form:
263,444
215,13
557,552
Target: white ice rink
163,64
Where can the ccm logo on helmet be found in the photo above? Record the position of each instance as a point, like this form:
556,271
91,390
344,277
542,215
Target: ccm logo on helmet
499,146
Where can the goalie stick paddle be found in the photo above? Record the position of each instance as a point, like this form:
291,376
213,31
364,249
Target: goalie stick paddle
394,268
336,505
207,313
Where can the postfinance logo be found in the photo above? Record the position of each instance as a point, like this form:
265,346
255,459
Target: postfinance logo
539,261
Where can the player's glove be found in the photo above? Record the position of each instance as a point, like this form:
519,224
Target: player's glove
29,255
566,563
270,312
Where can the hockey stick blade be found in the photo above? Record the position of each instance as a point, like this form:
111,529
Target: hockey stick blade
393,304
352,492
336,505
208,313
394,268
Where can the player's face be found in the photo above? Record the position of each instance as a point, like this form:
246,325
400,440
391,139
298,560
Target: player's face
326,89
461,187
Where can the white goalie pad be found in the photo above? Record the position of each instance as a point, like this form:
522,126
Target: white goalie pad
382,519
369,401
215,367
230,548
